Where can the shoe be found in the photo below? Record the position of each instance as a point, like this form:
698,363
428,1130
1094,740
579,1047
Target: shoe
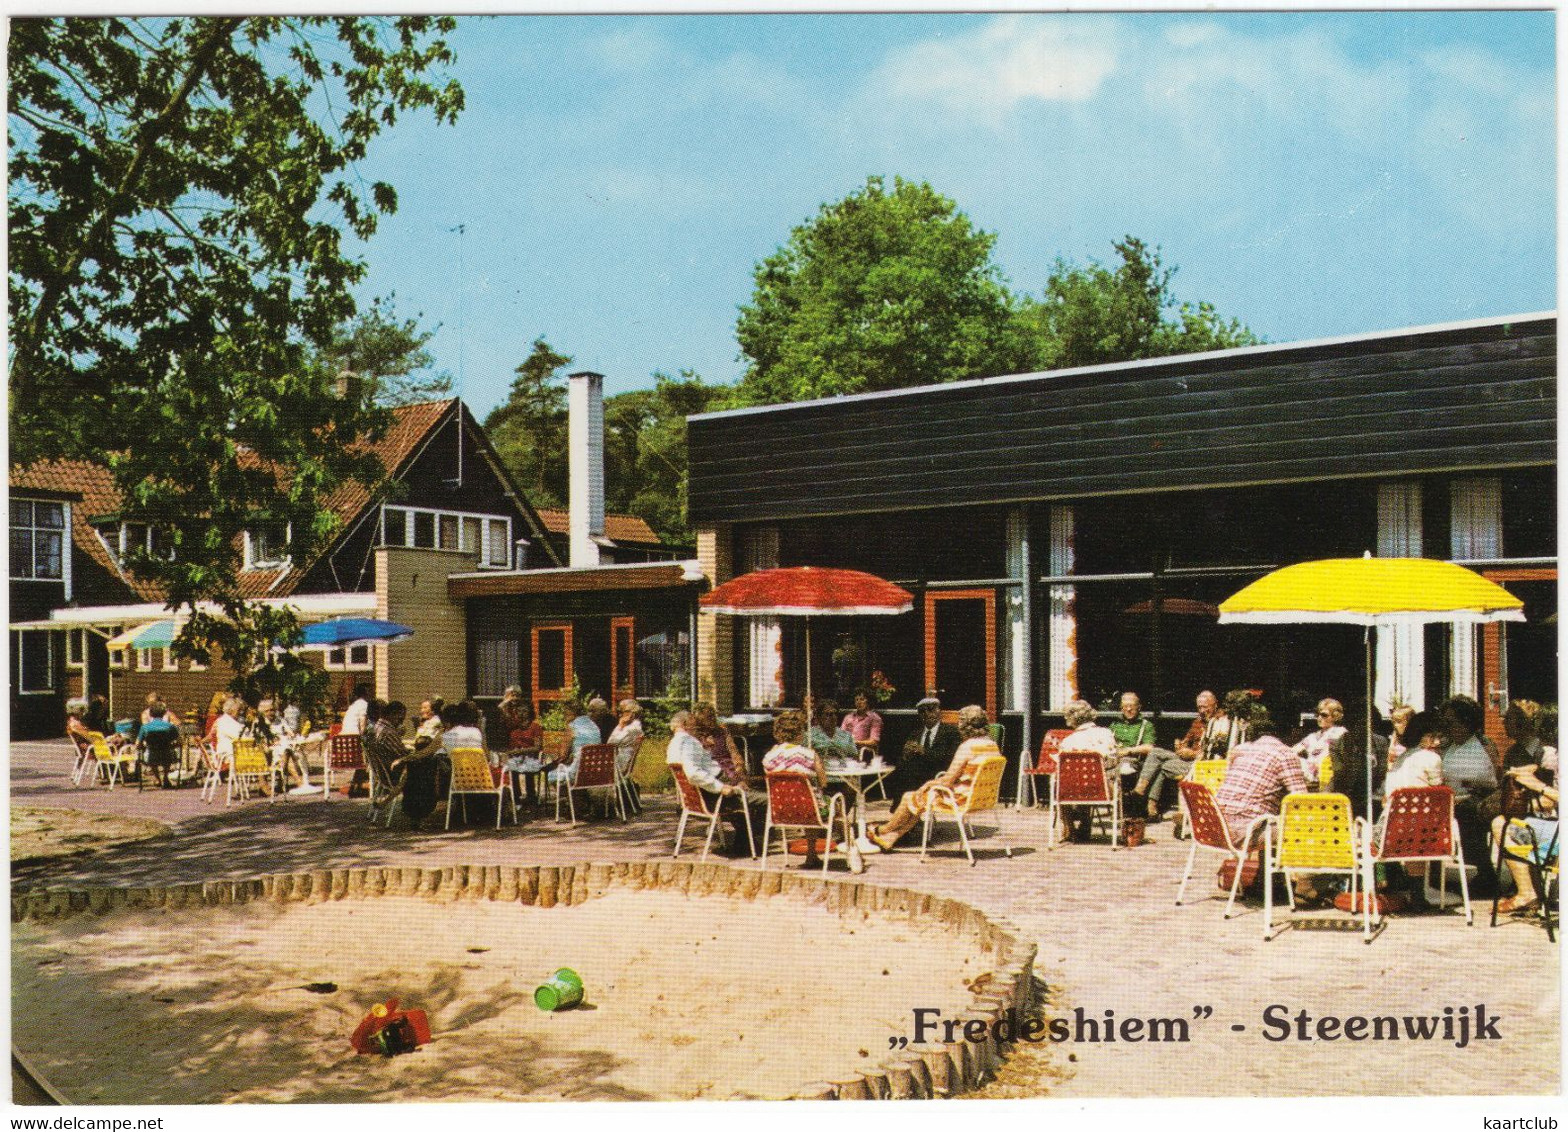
1513,906
866,845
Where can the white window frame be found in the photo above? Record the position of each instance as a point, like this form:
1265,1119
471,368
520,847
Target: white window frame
343,660
76,641
64,533
170,662
487,521
254,563
21,663
119,659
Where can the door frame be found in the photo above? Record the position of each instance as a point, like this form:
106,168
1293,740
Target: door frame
1494,688
988,596
548,695
628,691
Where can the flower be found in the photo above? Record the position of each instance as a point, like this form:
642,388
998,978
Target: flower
880,686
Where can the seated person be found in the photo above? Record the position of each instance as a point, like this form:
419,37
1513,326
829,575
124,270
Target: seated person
1469,770
1323,745
598,709
1134,740
159,739
1161,766
398,771
155,698
863,724
927,752
974,727
1262,771
1421,763
703,772
790,756
827,738
97,719
1087,737
626,737
713,735
584,732
76,726
1526,838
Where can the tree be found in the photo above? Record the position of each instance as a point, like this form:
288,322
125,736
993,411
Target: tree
1093,315
879,290
645,449
528,429
388,352
177,192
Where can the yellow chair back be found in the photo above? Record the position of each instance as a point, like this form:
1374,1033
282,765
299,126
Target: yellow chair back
471,772
1316,831
985,787
1209,772
249,757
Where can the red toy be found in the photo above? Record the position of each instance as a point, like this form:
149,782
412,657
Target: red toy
387,1030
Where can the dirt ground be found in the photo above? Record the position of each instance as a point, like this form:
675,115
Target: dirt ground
687,998
38,831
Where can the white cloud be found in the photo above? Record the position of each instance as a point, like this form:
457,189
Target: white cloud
1007,61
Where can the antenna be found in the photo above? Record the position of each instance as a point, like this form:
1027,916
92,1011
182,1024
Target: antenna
460,229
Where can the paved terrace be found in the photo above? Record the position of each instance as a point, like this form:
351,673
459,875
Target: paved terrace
1110,936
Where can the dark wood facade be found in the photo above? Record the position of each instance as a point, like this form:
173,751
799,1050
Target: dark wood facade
1380,405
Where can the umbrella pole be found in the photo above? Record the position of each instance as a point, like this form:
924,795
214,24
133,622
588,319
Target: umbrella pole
806,701
1366,635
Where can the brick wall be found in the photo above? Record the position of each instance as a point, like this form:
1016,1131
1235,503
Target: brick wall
411,590
716,634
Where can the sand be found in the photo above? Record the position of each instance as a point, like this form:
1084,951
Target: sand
687,998
41,831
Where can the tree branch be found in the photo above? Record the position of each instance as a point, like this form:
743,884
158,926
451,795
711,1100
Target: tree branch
29,342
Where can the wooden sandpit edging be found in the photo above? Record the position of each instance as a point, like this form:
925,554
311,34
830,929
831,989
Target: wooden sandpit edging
939,1069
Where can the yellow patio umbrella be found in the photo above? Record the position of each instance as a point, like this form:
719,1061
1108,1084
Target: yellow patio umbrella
1373,593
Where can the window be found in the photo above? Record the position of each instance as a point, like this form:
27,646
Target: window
487,536
75,647
35,662
961,646
497,664
623,658
37,539
552,661
118,658
448,532
355,658
144,659
267,547
394,526
170,662
498,534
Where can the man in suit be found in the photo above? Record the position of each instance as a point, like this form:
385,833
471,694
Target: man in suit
927,752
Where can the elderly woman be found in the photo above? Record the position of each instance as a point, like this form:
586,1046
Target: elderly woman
826,737
790,755
707,730
1323,746
510,710
1399,719
863,724
1087,737
975,729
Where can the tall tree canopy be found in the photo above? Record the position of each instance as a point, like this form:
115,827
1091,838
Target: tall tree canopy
388,352
1093,314
879,290
179,193
528,429
645,449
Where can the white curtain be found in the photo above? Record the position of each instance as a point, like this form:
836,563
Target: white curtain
759,550
1401,658
1062,663
1476,531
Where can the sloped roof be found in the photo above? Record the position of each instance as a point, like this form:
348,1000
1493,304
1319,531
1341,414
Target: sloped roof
617,528
410,425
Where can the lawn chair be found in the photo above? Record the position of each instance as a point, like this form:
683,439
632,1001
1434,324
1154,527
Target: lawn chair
250,764
159,751
1209,831
108,762
344,752
984,793
1418,825
794,803
386,787
471,775
1541,860
211,768
1314,833
628,790
695,805
1044,765
84,754
596,770
1208,772
1080,780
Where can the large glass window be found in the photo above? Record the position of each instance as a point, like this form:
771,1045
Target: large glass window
35,661
37,539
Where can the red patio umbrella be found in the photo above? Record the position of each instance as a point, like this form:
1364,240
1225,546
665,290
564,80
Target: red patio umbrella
808,591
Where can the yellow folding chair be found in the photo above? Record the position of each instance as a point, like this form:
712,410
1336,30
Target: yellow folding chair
1314,833
984,794
471,775
250,764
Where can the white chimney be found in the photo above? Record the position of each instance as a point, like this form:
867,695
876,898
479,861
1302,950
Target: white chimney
585,490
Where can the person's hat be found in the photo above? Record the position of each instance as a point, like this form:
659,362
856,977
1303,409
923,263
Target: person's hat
929,701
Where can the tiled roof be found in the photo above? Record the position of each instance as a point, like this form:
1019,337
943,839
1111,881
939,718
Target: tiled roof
617,528
410,425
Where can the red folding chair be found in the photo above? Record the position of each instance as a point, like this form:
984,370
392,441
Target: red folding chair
793,803
1044,764
695,805
343,753
595,770
1418,825
1209,831
1080,780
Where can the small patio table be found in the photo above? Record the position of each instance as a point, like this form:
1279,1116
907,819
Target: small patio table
858,778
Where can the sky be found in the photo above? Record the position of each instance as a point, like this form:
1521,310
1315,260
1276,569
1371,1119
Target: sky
618,178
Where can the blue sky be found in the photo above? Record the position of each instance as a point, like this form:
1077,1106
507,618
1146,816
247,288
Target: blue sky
1312,174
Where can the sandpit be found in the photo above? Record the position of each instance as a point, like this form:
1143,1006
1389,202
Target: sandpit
41,831
688,997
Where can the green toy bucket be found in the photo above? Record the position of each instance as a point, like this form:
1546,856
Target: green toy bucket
562,989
